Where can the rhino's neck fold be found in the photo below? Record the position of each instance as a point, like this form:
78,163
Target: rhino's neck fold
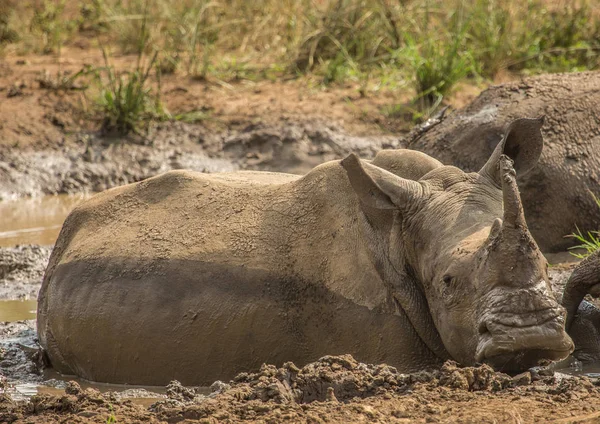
407,291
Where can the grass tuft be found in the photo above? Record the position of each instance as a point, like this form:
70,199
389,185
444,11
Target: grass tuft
590,242
128,99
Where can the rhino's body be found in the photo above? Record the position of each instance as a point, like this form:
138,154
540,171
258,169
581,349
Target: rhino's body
203,276
558,193
196,277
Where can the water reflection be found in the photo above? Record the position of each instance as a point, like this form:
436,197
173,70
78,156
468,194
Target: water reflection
35,220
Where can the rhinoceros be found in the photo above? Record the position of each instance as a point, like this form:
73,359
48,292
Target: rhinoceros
197,277
558,194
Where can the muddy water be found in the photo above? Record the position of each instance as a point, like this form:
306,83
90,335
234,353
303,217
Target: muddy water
142,395
35,221
17,310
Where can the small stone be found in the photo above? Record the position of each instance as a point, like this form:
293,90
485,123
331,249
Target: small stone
330,397
523,379
219,387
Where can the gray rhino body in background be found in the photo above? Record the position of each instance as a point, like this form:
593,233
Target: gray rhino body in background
197,277
557,193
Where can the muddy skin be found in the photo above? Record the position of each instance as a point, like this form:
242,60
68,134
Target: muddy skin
557,193
348,237
583,317
336,388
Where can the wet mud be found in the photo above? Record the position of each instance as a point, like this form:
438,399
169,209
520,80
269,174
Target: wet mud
334,389
92,163
21,271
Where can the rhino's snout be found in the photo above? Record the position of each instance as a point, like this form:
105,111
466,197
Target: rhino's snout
518,330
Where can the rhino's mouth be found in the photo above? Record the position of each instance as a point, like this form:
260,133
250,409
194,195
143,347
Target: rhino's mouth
516,342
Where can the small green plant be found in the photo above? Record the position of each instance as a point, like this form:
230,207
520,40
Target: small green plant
126,100
437,62
111,418
590,242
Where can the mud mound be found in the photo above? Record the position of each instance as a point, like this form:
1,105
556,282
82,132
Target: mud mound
338,388
91,162
22,269
334,389
556,193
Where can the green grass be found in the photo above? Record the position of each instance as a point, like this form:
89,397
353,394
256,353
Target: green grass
589,242
127,100
433,44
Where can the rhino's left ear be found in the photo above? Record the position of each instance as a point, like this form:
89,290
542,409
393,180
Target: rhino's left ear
522,142
379,188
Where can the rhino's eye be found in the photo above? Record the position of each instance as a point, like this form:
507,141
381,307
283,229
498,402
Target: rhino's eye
448,280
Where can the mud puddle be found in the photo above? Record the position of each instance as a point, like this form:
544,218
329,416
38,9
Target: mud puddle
35,220
17,310
572,366
55,385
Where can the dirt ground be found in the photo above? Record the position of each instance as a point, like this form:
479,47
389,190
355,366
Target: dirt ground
337,389
50,140
49,143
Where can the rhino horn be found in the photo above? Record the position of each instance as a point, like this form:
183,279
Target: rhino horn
514,217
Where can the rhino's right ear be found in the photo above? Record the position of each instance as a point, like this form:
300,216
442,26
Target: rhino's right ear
522,142
379,188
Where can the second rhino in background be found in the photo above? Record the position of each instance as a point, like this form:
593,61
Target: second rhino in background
558,193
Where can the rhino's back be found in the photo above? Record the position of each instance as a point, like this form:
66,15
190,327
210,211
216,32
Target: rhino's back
194,277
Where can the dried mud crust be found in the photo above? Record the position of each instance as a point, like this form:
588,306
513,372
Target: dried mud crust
336,389
95,163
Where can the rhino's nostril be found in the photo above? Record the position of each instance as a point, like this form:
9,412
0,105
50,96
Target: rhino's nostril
483,328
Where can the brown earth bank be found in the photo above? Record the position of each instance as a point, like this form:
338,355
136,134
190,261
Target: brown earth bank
337,389
50,138
93,163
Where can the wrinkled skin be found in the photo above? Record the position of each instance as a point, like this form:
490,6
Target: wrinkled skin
557,192
583,318
197,277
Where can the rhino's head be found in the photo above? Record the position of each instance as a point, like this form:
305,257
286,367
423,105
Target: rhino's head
464,239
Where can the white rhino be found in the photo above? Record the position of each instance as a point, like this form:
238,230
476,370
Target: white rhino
198,277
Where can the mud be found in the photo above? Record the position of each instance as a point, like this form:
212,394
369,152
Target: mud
21,270
335,389
92,163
